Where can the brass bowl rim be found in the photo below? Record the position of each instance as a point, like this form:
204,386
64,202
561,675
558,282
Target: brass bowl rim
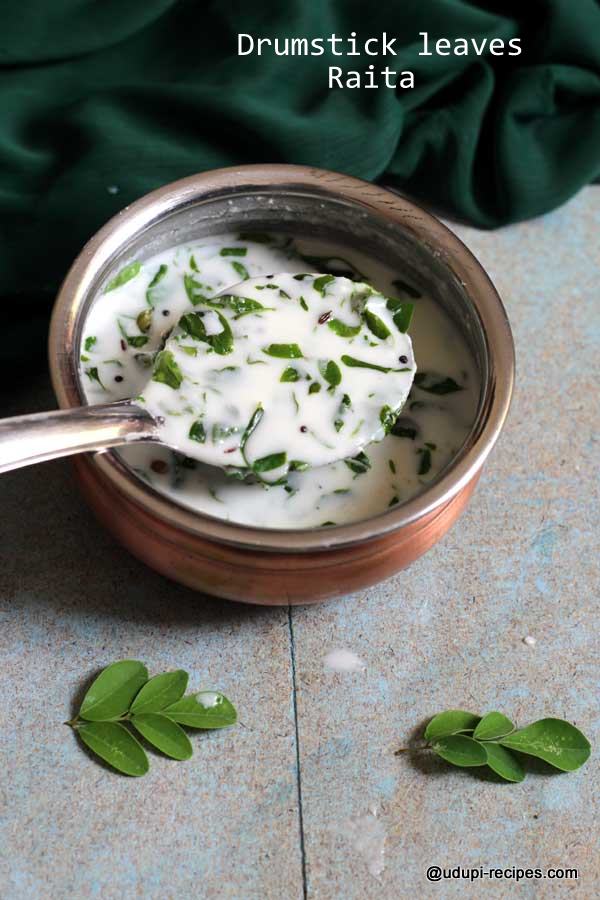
155,206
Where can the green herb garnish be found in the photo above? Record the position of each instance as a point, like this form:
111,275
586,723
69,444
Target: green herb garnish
195,290
376,325
359,464
361,364
284,351
166,370
342,330
123,695
197,432
193,324
321,283
290,374
241,270
233,251
402,313
425,464
436,385
89,343
330,372
270,462
468,740
151,294
123,276
92,374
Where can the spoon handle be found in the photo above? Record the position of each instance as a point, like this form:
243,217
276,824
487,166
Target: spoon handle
25,440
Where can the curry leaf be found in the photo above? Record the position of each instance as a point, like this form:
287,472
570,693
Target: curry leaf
284,351
116,745
492,726
453,721
553,740
504,763
160,691
112,692
206,709
123,276
164,734
342,330
166,370
460,750
376,325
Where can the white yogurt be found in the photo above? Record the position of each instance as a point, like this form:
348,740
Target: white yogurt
118,349
282,373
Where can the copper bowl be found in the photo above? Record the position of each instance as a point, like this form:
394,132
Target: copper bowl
268,566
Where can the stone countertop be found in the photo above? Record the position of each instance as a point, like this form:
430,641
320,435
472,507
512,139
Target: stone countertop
305,796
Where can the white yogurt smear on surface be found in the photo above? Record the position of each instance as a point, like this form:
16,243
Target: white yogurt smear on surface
127,324
343,660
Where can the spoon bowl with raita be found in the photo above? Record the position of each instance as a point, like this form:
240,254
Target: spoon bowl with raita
278,373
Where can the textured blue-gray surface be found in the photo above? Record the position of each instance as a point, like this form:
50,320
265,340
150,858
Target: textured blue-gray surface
232,822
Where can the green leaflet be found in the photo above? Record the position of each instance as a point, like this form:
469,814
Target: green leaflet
241,306
89,343
425,463
492,726
206,709
250,427
116,745
233,251
321,283
152,295
359,464
330,372
342,330
354,363
166,370
376,325
402,313
160,691
92,374
453,721
164,734
284,351
460,750
553,740
193,325
112,692
241,270
134,340
270,462
503,763
195,290
388,417
290,374
197,432
404,428
434,384
123,276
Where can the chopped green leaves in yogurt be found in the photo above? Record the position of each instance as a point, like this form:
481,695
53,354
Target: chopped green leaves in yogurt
304,410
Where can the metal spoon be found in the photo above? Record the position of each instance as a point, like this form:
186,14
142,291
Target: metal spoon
25,440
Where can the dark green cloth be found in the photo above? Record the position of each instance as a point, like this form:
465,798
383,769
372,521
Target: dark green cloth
136,93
